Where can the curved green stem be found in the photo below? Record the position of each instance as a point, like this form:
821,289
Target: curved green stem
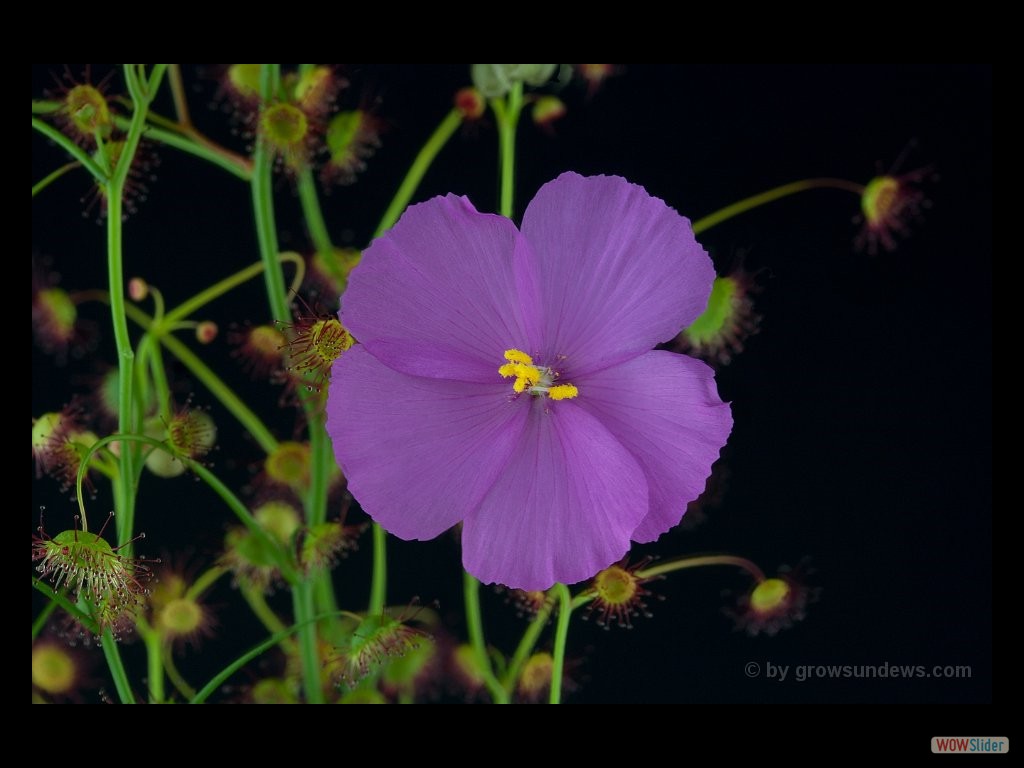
424,159
475,628
252,653
681,564
206,580
40,621
47,180
258,605
527,644
179,682
178,94
56,598
71,148
756,201
283,562
216,485
699,561
508,112
561,636
227,397
192,143
259,431
229,283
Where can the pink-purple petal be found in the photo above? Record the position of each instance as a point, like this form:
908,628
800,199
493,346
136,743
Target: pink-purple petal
564,507
419,453
665,409
445,277
618,270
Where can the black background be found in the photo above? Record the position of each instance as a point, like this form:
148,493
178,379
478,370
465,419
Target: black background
863,408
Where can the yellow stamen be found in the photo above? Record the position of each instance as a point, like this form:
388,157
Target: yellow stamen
533,378
517,356
563,392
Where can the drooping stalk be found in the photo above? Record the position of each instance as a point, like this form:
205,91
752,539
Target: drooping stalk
424,159
756,201
475,628
561,636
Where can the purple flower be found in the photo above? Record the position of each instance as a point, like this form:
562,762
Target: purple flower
505,379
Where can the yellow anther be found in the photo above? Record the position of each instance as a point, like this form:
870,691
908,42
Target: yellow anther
563,392
537,380
529,372
517,356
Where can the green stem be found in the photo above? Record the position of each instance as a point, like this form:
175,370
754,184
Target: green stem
154,665
379,582
263,208
681,564
179,682
322,462
527,644
227,397
302,601
47,180
245,658
45,106
229,283
149,351
117,671
178,93
561,636
258,605
216,485
193,143
707,222
206,580
71,148
241,511
313,214
69,607
424,159
260,433
40,620
508,112
700,561
266,234
475,628
115,273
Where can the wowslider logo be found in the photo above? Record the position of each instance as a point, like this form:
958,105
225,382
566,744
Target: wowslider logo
975,745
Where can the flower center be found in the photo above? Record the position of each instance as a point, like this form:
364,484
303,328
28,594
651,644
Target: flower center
535,379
